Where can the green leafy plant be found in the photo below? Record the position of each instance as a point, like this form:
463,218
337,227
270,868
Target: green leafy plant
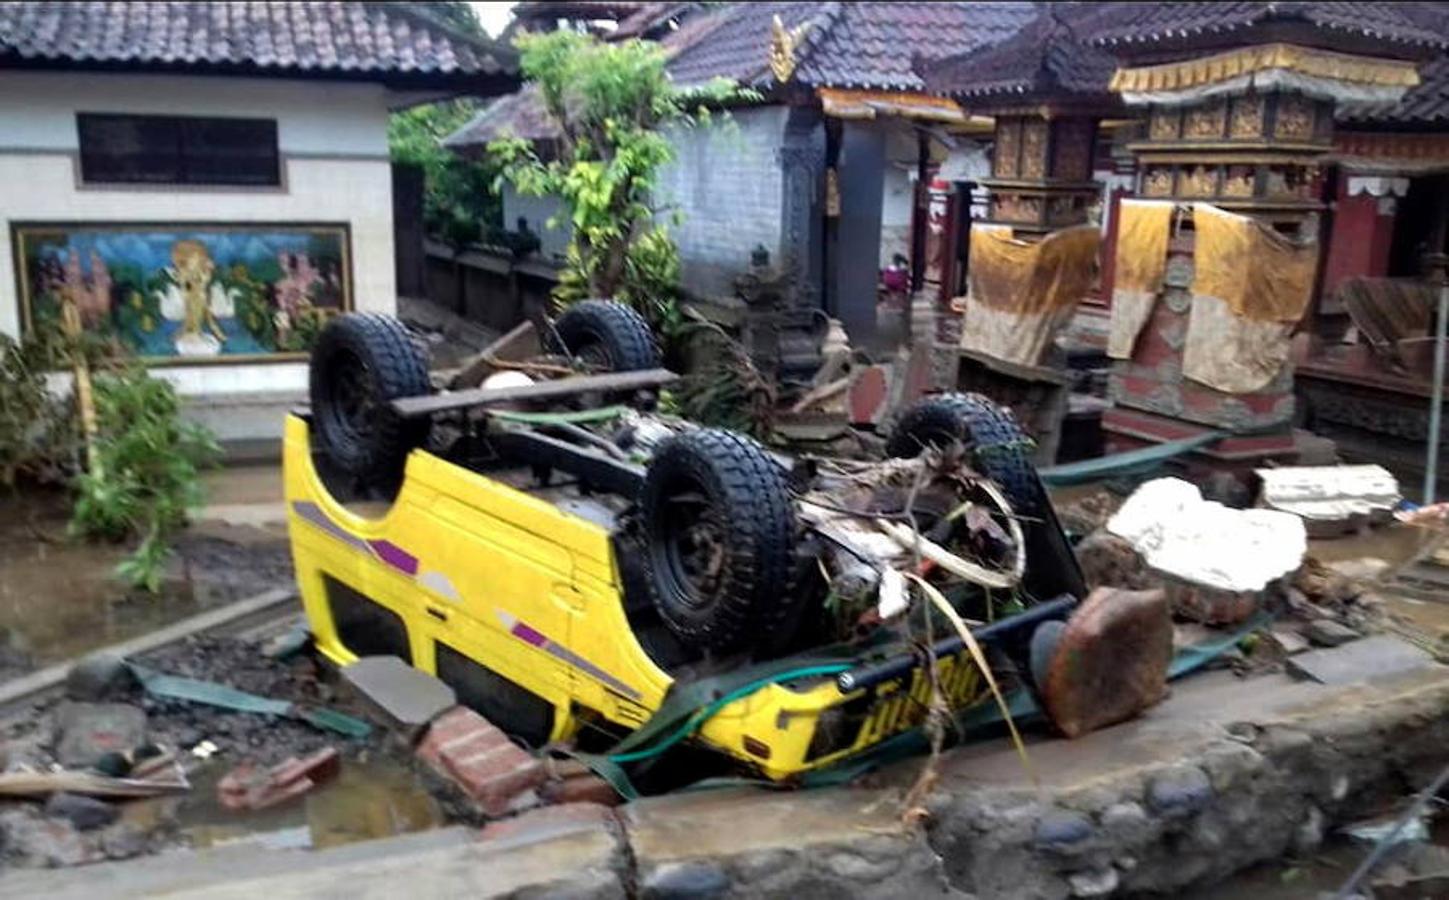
40,436
613,103
460,205
147,472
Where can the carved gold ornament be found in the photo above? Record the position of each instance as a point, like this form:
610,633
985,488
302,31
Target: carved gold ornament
1221,67
783,43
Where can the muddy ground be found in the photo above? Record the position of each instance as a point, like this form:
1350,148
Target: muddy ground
380,791
59,597
57,600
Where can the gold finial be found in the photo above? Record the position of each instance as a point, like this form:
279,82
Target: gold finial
783,42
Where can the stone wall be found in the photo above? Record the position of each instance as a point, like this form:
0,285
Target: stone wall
727,183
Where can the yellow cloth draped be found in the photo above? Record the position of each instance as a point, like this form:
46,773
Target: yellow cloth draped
1257,272
1032,277
1251,286
1143,230
1022,293
1143,227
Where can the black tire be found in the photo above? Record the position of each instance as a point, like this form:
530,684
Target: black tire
360,363
1001,451
716,498
1044,643
605,335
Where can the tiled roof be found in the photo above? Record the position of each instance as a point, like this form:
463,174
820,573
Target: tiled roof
1426,104
845,45
1122,24
576,9
520,114
871,45
1047,56
734,42
648,17
368,41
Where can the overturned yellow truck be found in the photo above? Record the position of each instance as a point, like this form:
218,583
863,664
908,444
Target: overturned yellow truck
583,568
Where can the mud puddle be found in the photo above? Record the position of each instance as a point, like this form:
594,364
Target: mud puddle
372,797
59,597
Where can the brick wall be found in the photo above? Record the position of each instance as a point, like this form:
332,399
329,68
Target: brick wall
727,184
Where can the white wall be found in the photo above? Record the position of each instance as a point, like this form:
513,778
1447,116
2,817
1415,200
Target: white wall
727,182
333,140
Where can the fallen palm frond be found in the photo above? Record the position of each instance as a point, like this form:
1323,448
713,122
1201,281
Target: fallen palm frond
944,605
1003,579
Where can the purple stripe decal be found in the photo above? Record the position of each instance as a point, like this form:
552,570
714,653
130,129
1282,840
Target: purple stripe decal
532,637
404,561
395,556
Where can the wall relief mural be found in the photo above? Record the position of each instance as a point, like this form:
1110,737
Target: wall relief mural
173,292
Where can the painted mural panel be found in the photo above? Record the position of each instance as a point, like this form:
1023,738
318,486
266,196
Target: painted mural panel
191,293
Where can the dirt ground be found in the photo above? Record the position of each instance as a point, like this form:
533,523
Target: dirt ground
59,600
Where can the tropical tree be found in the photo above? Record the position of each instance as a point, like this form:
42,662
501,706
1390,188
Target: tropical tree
460,204
614,104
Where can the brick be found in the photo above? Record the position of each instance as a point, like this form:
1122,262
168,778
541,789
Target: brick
470,751
585,788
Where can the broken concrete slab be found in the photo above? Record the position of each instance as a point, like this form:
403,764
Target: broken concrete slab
98,676
87,731
409,698
84,813
1288,640
1328,633
1208,544
1331,500
1372,657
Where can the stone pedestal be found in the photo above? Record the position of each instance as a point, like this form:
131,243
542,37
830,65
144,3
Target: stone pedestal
1152,381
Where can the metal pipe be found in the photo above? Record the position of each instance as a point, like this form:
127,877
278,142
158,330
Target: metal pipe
875,673
1436,402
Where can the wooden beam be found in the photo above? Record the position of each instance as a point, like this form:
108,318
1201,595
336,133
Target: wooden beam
414,407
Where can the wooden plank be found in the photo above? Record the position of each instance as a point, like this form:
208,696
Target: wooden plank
515,346
413,407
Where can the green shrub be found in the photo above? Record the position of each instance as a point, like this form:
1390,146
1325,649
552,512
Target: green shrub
39,436
147,474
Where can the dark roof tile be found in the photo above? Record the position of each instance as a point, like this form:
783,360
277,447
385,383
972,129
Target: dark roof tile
351,39
1408,24
1426,104
1047,56
847,45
